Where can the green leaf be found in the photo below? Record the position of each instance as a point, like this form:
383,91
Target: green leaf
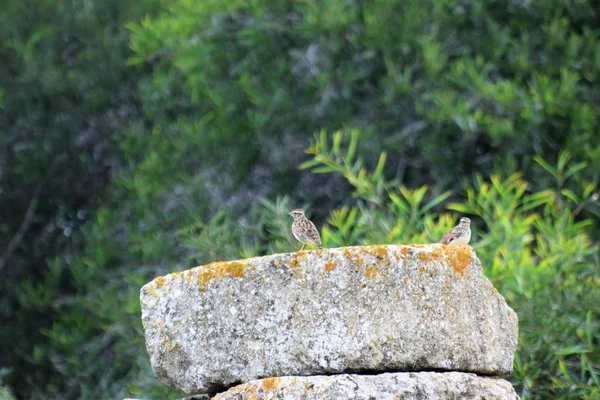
437,200
352,217
564,370
309,164
38,36
567,351
351,147
380,165
418,195
537,199
399,203
337,140
563,159
407,194
588,190
460,208
571,196
323,142
322,170
574,169
541,162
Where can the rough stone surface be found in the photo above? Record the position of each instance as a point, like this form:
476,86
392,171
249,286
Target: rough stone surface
396,386
347,310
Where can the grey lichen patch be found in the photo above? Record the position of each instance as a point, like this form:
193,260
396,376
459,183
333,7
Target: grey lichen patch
330,311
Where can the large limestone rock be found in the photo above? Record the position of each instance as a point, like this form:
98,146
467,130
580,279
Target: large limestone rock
347,310
396,386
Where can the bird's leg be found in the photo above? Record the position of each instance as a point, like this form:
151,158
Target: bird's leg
302,248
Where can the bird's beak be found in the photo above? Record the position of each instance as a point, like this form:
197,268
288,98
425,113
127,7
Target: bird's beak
290,214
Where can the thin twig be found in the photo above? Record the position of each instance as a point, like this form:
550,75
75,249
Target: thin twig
27,220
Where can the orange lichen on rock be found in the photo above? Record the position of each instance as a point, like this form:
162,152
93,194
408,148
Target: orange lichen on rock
297,258
233,269
421,269
460,257
270,384
160,282
438,254
250,392
295,265
354,257
330,266
371,272
379,251
348,254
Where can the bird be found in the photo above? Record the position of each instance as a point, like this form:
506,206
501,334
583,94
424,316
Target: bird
460,234
305,231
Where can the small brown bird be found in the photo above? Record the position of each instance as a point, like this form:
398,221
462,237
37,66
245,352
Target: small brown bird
460,234
305,231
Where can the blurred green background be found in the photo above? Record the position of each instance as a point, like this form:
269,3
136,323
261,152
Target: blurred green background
149,136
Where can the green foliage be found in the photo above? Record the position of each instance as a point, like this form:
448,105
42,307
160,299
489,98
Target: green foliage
532,248
142,137
349,165
64,91
5,394
447,86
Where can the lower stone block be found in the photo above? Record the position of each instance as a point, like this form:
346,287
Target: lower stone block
388,386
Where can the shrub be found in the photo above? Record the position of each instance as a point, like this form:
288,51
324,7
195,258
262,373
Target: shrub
531,245
164,161
64,91
445,87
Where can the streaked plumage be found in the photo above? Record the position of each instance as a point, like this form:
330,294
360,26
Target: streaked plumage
460,234
305,231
